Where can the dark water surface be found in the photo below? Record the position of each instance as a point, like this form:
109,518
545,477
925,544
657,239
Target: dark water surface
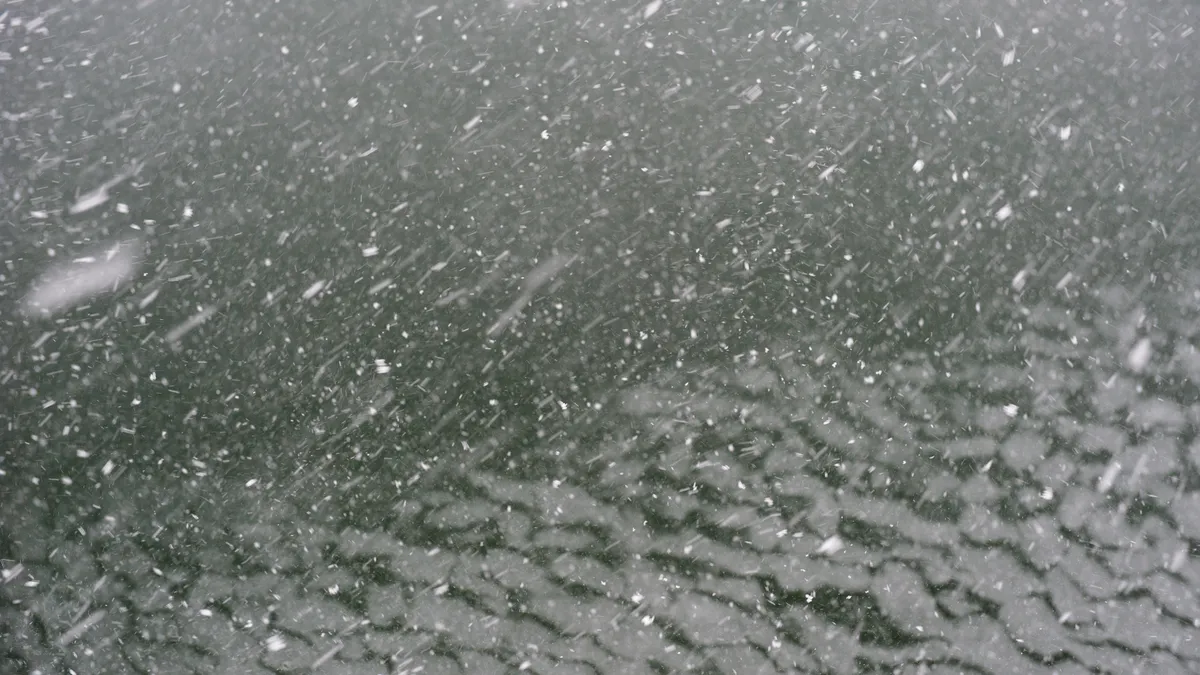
607,337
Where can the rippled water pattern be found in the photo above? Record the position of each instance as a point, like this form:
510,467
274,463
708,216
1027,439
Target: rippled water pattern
599,337
1026,503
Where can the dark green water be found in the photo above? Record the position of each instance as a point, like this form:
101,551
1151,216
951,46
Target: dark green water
712,337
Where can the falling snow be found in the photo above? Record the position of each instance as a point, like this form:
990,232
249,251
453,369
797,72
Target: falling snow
651,336
71,283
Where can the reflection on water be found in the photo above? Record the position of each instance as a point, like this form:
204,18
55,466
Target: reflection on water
1020,505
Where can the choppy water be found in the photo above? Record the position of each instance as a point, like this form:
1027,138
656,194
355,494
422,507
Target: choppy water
736,338
1022,504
